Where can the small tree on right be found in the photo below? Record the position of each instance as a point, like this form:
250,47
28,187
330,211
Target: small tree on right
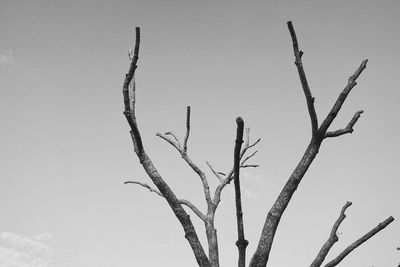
319,132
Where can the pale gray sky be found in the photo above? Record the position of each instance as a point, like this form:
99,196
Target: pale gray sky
66,150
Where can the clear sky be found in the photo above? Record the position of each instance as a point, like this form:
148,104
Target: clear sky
66,150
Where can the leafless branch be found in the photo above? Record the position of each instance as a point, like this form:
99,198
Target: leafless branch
341,98
145,161
217,174
174,136
182,201
248,157
260,257
175,143
360,241
250,166
146,186
187,129
349,127
241,243
307,93
229,176
333,238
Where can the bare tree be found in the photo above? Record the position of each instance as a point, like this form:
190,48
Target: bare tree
319,132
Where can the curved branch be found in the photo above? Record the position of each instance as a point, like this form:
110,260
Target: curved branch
145,161
182,201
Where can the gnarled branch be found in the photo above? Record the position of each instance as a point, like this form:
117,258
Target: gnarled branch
349,127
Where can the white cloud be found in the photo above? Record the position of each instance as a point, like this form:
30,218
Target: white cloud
7,59
21,251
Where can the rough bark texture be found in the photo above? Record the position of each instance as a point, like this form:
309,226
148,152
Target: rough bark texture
260,257
180,213
358,242
241,243
333,238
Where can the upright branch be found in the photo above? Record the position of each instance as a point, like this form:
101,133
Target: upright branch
149,167
261,255
306,89
241,243
360,241
340,100
333,238
182,149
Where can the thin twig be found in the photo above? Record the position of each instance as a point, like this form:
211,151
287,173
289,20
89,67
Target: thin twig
181,201
217,174
187,129
146,186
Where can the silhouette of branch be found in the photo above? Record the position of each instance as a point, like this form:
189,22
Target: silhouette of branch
360,241
217,174
333,238
307,93
341,98
182,150
241,243
145,161
182,201
349,127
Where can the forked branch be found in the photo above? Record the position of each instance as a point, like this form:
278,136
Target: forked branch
349,127
182,149
145,161
360,241
333,238
341,98
261,255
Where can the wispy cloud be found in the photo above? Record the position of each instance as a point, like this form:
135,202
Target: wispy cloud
21,251
7,59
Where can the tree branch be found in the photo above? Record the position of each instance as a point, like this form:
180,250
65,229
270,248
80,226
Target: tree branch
333,238
182,201
145,186
187,129
241,243
145,161
307,93
260,257
217,174
182,150
348,129
360,241
248,157
341,98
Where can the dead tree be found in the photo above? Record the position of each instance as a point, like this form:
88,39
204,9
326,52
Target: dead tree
319,132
